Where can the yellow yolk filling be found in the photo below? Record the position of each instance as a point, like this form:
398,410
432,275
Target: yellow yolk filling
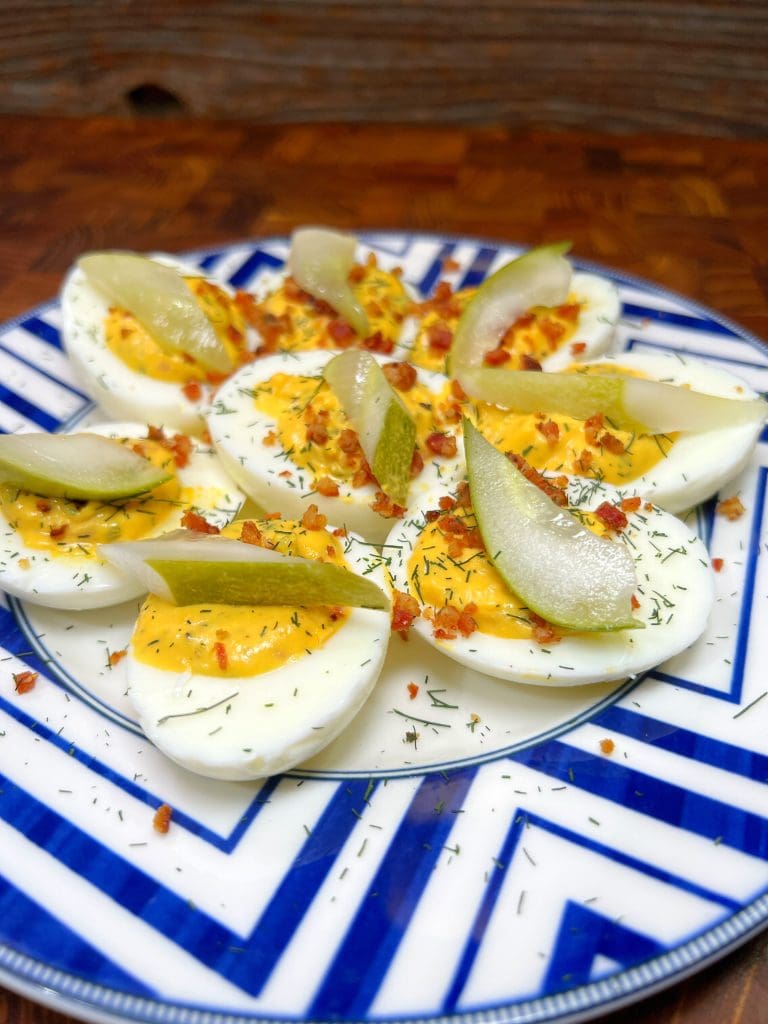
62,526
380,293
128,340
295,402
241,640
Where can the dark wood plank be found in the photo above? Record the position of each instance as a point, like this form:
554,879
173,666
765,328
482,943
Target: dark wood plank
689,213
669,65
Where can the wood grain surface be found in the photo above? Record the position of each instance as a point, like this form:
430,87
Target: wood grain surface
611,65
688,213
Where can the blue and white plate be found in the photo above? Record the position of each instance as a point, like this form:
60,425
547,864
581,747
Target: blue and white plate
504,867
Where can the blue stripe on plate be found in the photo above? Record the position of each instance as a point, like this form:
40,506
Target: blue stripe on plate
43,330
224,843
44,372
520,823
685,320
28,409
257,261
129,887
733,694
703,353
435,269
364,957
663,801
584,935
478,269
748,764
37,933
293,897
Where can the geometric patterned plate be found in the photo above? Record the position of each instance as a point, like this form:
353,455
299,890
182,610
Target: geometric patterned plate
502,867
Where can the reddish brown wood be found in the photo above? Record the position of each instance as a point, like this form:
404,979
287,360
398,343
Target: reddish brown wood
689,213
670,65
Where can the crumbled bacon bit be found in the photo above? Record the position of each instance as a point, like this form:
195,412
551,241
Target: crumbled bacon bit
192,391
446,503
441,444
717,564
250,533
613,444
527,362
611,515
449,621
58,531
192,520
162,819
496,357
23,563
400,375
569,311
583,463
577,347
342,334
285,473
631,504
376,342
327,487
549,431
115,657
592,428
25,681
269,439
449,264
313,519
607,746
405,609
222,658
356,273
340,531
417,463
463,497
330,551
439,337
458,391
335,612
42,505
317,425
413,690
386,507
543,632
274,515
552,331
732,508
554,489
349,442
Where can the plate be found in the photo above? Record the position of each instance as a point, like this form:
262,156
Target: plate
506,866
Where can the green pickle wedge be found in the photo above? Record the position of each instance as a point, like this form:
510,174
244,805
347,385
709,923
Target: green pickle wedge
185,567
76,466
320,261
555,565
160,300
386,429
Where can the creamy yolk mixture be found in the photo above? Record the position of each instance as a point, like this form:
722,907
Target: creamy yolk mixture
537,333
128,340
62,526
303,327
241,640
295,403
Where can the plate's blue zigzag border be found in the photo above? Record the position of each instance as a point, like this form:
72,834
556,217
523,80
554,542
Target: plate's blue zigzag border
661,800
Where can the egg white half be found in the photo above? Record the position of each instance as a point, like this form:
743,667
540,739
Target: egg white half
248,727
675,590
78,583
699,463
120,391
237,430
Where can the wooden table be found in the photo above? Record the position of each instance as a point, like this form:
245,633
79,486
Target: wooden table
687,212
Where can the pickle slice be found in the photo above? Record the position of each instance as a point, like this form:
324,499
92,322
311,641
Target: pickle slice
555,565
160,300
77,466
386,429
320,261
540,277
185,567
629,403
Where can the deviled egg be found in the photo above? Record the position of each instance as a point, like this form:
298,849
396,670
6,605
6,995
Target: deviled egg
48,543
